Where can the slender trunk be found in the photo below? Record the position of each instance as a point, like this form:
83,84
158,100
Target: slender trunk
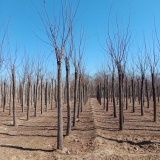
31,94
79,96
100,93
82,97
42,95
55,94
4,97
22,96
36,96
60,114
29,97
142,83
158,92
120,98
84,94
75,97
113,95
68,98
138,92
52,94
14,96
126,93
147,95
104,94
10,99
154,97
46,96
129,93
97,89
107,95
133,95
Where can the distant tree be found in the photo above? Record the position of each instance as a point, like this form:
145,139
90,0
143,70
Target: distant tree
153,60
78,50
142,66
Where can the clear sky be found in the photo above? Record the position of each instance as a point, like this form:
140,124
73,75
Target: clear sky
92,16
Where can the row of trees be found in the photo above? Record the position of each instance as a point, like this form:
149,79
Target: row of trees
129,79
35,92
30,86
117,84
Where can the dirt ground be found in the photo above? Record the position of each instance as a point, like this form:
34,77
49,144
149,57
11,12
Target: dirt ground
95,137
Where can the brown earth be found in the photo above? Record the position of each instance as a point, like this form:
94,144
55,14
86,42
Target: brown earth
95,137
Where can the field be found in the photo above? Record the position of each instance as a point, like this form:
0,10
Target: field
95,136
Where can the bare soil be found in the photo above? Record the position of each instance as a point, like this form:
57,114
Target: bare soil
96,135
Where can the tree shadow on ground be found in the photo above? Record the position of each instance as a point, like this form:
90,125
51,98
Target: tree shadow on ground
26,149
143,129
130,142
27,135
84,129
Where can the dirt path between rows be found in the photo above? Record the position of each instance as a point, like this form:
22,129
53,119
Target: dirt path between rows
96,136
140,138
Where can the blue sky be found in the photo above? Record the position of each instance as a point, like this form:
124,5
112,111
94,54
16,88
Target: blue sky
92,17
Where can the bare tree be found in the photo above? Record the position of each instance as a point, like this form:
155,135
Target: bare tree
58,32
29,96
29,66
67,64
142,65
14,94
38,71
118,45
12,67
77,62
153,60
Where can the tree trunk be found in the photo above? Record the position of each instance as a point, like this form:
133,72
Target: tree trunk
133,95
55,94
29,97
100,93
46,96
75,97
79,96
113,95
154,97
36,96
42,95
138,92
52,94
68,98
129,93
120,77
14,96
147,95
126,93
104,93
82,97
142,83
22,96
10,99
60,114
4,96
107,95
